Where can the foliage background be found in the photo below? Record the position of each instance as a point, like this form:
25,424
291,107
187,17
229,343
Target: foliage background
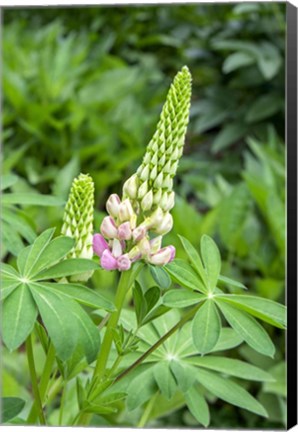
83,89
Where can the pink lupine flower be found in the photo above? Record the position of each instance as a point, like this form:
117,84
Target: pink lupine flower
155,244
123,262
108,228
139,233
134,254
99,244
124,231
112,205
164,256
107,261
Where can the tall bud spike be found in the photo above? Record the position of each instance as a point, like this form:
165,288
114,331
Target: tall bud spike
78,220
166,146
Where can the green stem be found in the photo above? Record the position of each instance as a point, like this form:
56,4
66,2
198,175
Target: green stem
147,411
43,385
33,375
62,403
183,320
122,289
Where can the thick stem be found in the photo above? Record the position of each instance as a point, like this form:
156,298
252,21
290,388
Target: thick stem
123,287
183,320
33,375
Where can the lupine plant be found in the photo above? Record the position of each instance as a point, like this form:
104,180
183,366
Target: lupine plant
102,357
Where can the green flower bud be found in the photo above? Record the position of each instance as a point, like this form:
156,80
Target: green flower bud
78,220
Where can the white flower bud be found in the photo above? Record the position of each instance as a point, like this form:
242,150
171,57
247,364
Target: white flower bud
155,244
153,173
174,167
168,182
165,226
125,210
130,187
117,248
167,168
143,189
144,246
112,205
157,196
147,201
145,173
158,181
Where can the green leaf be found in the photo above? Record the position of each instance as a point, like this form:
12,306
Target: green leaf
31,199
231,367
19,223
198,406
228,339
183,374
53,308
139,302
206,327
9,272
138,394
22,259
151,296
52,253
237,60
195,259
98,409
228,135
81,294
264,107
36,250
180,298
8,180
211,259
7,287
231,282
267,310
184,274
230,392
248,328
160,276
164,379
67,267
19,315
11,407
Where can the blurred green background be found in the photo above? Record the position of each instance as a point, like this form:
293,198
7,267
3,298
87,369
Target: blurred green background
83,89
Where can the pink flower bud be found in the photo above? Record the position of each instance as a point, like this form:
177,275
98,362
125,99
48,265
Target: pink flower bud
108,228
99,244
125,210
112,205
164,256
165,226
107,261
123,262
124,231
139,233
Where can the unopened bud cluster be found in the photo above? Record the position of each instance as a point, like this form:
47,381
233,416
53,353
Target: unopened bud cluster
135,225
78,220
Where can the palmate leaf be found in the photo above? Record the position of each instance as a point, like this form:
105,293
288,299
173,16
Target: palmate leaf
19,315
183,273
66,334
229,391
81,294
164,379
195,259
138,394
211,259
160,276
180,298
36,250
206,327
248,328
198,406
183,373
231,367
267,310
68,267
